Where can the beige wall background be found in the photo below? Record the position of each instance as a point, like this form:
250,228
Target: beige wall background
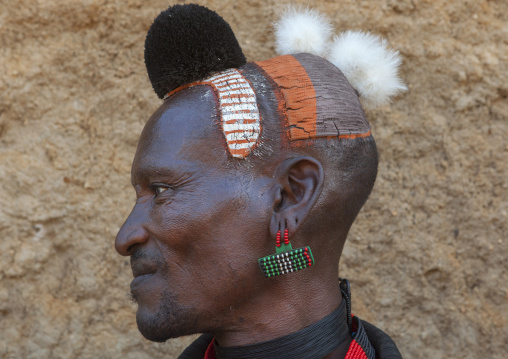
427,257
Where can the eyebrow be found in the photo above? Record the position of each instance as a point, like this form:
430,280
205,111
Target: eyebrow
146,171
149,171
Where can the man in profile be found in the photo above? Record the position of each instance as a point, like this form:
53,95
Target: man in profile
248,178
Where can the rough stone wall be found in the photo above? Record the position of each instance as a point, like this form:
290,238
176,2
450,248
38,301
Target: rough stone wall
74,97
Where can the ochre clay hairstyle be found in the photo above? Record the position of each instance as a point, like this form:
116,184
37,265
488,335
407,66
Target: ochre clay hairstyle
307,100
189,45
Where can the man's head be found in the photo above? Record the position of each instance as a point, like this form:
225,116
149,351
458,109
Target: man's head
223,165
203,218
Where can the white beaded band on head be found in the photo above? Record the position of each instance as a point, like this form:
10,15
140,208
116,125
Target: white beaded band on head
240,119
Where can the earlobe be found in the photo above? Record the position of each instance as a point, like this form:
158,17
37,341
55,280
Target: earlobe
300,182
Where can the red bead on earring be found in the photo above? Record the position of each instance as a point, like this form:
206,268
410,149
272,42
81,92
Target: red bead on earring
286,237
277,240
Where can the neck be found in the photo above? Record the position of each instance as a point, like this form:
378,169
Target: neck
289,305
325,338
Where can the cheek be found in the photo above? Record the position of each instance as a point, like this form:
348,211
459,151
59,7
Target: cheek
192,216
210,243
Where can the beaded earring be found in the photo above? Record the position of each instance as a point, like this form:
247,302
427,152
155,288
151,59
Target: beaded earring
286,259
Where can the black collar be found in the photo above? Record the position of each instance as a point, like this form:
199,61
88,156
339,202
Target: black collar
314,341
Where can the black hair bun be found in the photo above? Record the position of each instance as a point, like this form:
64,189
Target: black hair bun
187,43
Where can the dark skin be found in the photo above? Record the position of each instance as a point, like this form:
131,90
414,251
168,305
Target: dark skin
202,220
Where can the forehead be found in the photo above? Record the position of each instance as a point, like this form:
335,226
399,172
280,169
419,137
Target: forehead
184,131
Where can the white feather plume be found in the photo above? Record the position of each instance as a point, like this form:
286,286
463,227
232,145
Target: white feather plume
302,30
369,66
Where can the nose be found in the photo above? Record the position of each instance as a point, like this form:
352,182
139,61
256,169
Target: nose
133,230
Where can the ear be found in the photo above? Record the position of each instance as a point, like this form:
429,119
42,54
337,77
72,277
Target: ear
299,185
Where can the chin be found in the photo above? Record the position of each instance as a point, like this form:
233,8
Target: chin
169,320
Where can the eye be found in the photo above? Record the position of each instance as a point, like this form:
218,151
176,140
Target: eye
158,189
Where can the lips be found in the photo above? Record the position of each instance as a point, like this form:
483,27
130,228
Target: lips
142,268
139,282
142,272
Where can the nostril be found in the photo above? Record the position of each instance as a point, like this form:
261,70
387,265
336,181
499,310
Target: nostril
140,235
127,237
